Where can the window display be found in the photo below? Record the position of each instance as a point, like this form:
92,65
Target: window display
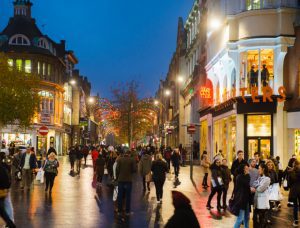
258,125
297,142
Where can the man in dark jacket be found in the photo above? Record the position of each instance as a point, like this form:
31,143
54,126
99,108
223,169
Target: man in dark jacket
175,158
51,149
226,176
184,215
28,164
235,165
79,156
4,186
257,159
126,166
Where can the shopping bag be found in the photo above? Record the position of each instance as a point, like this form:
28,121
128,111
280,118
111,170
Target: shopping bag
42,176
115,195
285,185
38,176
274,192
105,171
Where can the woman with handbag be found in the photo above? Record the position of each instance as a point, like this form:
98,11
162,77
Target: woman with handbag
261,197
294,195
145,169
4,191
274,188
216,183
159,169
50,168
242,196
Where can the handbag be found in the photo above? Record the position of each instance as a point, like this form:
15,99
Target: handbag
3,193
274,192
115,195
232,207
285,185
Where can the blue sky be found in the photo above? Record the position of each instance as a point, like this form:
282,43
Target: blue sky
115,41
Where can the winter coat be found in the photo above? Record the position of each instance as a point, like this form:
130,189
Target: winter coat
145,165
226,175
32,161
205,163
100,163
72,155
126,166
175,158
183,217
159,169
95,155
294,183
51,166
216,175
4,177
261,197
235,166
242,193
273,177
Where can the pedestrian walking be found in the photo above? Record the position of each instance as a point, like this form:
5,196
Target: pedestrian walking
159,169
216,183
294,194
167,156
110,162
72,158
100,164
145,169
261,197
254,175
274,189
51,149
4,191
286,176
242,196
226,176
79,156
85,151
219,155
126,166
182,152
175,158
280,170
94,154
51,171
28,165
205,165
237,162
184,215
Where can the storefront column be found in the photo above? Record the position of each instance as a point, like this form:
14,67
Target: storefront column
240,132
279,129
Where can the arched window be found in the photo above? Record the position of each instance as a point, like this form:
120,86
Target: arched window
254,4
19,39
43,43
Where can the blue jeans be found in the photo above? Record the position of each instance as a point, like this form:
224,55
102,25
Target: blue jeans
243,217
124,189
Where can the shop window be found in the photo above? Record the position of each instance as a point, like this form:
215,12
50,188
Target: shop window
203,136
44,69
49,69
297,142
39,67
259,125
10,62
19,64
28,66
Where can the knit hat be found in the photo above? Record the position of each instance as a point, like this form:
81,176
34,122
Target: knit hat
180,200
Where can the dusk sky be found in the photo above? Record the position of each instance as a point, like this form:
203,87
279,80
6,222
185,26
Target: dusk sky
115,41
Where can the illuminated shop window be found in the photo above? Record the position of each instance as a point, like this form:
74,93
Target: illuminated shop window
19,64
49,69
259,125
44,68
27,66
10,62
257,64
39,67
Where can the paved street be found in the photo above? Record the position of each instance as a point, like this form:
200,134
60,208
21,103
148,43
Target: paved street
74,203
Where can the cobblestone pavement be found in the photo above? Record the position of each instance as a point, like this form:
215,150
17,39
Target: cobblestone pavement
75,203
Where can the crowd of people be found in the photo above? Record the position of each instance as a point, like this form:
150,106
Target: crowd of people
256,187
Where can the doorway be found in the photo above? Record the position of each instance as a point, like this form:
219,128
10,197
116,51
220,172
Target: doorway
261,145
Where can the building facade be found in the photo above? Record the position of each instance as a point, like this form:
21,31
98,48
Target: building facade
31,51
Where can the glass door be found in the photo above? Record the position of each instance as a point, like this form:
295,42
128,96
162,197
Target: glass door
252,147
265,148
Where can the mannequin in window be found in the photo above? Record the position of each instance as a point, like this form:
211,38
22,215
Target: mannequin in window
253,77
265,75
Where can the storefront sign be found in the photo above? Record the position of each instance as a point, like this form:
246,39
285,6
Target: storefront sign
205,92
267,94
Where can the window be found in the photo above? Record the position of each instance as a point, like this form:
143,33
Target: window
44,68
43,43
49,69
254,4
19,39
19,64
27,66
10,62
259,125
39,67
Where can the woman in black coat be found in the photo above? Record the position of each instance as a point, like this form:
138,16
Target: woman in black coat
217,184
184,215
294,195
159,169
242,196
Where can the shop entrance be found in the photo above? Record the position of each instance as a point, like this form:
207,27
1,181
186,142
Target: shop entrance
261,145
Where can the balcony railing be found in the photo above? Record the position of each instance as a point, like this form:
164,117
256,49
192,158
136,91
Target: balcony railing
268,4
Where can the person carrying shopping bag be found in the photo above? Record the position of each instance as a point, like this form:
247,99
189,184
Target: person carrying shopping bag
51,171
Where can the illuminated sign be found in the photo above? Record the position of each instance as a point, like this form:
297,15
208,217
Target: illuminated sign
267,94
205,92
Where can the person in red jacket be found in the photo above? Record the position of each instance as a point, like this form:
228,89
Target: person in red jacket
95,155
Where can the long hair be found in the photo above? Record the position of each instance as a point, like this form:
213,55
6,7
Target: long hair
265,168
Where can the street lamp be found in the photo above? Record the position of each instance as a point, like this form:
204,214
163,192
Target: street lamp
91,100
180,79
215,24
167,92
72,82
156,102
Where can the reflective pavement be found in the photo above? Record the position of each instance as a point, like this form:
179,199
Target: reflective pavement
75,203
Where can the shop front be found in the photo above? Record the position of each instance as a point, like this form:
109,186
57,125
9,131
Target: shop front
19,139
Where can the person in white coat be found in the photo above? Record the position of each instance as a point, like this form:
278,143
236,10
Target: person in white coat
261,198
